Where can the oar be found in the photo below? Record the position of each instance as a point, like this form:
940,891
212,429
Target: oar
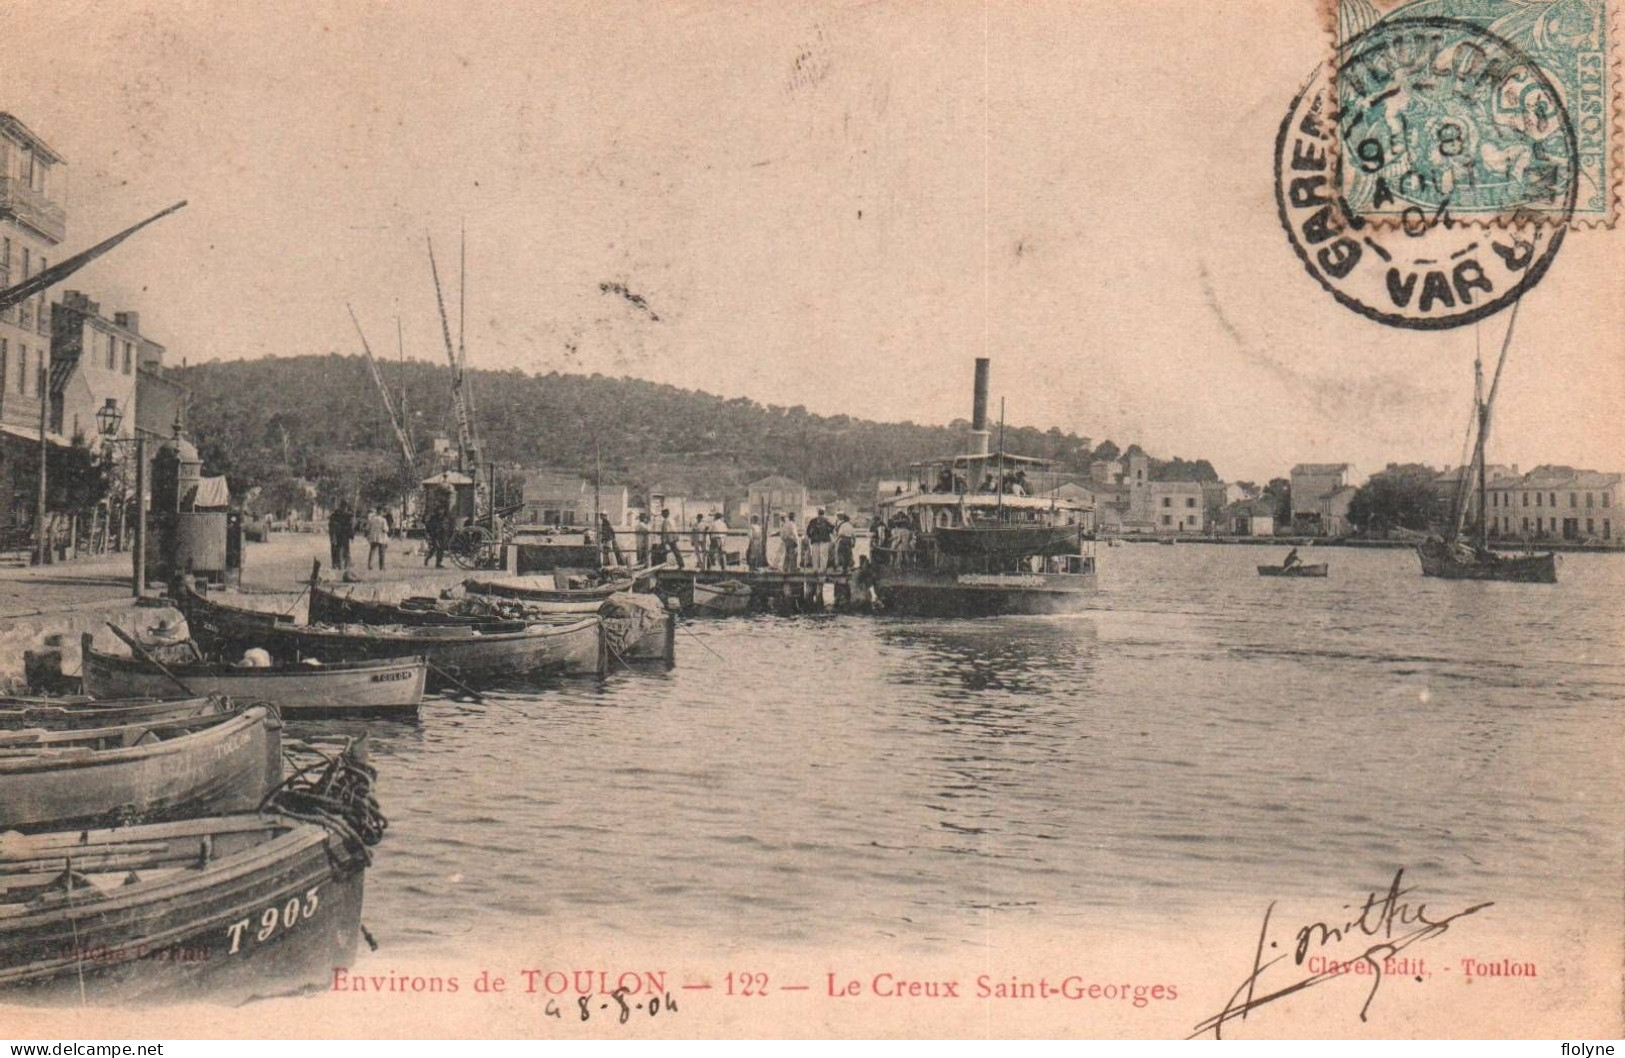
459,684
141,652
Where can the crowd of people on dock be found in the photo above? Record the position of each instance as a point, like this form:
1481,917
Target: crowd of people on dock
821,545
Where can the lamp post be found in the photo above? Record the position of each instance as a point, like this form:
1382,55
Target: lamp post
109,417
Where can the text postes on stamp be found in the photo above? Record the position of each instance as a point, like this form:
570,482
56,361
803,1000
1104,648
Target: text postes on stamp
1432,130
1429,270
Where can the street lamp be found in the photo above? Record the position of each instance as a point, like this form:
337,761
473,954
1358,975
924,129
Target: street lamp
109,418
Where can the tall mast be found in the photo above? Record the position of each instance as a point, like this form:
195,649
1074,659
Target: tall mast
406,416
383,390
462,350
465,437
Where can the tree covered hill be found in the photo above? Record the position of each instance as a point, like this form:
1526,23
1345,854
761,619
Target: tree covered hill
256,420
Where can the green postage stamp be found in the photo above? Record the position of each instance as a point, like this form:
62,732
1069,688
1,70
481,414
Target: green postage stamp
1486,111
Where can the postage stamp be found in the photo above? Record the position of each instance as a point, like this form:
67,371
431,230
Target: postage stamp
1426,270
1477,130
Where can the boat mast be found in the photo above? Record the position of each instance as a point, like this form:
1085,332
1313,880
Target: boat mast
999,482
465,433
383,391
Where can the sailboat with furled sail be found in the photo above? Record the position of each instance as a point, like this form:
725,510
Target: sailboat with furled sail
1454,556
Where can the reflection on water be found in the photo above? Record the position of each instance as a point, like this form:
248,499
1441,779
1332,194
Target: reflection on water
1202,736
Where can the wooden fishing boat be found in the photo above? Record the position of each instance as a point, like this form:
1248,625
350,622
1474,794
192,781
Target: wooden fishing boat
637,626
61,714
225,908
1317,570
723,598
555,587
1458,563
457,655
151,770
1450,557
368,688
645,631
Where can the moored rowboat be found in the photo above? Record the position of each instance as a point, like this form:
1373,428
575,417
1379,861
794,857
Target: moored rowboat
225,908
380,687
150,770
725,598
60,714
466,654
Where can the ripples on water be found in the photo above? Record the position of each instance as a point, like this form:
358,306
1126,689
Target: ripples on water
1202,737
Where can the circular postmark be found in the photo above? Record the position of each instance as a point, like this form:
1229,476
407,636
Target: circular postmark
1421,113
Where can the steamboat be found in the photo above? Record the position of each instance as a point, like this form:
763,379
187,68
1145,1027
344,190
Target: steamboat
984,533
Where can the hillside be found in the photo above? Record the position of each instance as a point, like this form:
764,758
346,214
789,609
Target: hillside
258,419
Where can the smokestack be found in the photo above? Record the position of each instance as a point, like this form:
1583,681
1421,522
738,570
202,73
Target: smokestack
978,415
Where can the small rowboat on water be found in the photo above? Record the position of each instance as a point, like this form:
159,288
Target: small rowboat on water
553,589
723,598
1317,570
457,655
381,687
225,908
150,770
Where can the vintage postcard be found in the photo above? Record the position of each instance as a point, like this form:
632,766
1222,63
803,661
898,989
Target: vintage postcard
1100,519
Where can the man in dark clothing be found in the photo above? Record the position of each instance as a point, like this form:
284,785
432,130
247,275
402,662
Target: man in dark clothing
607,544
434,539
820,531
340,528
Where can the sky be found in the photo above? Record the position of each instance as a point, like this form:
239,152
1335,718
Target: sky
831,205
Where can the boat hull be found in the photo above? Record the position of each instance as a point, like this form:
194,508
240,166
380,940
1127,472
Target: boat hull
227,766
273,919
68,714
1317,570
390,687
945,594
720,601
1439,561
466,655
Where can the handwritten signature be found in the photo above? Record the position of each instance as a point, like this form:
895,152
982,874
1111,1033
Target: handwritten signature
1398,923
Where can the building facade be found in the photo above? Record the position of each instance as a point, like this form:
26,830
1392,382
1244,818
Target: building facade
552,498
33,223
1313,483
1176,506
95,363
1557,503
776,494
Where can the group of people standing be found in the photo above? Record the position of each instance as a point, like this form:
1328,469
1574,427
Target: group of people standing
822,545
345,524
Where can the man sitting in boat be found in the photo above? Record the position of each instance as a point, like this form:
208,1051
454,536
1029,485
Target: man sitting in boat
1292,561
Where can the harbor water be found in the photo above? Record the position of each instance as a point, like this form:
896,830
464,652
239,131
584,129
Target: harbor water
1201,738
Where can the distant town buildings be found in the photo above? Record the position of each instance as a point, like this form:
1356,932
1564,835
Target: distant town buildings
553,498
1320,497
1556,503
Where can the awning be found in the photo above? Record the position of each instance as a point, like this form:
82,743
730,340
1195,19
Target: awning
28,433
448,478
212,494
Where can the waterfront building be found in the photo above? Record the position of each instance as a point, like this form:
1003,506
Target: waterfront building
1250,517
1449,480
553,498
1176,506
33,223
1313,483
95,363
1557,503
1333,515
775,494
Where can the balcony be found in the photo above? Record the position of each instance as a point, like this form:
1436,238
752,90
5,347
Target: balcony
33,209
